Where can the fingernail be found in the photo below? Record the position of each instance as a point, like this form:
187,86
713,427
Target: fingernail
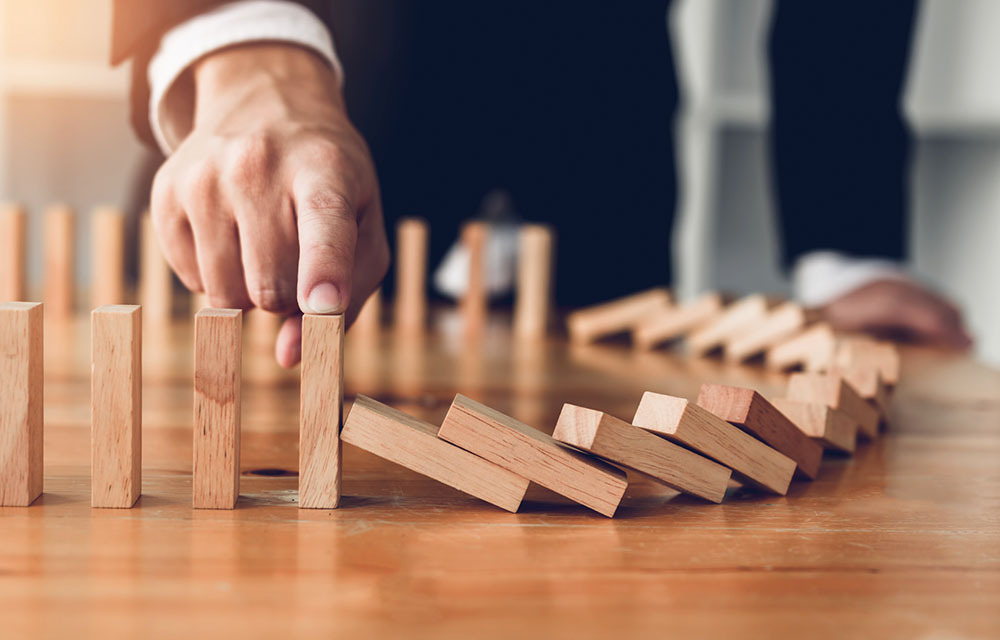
324,298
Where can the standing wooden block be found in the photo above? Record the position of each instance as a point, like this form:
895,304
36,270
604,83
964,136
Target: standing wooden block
867,353
412,443
834,391
617,316
534,455
116,406
674,322
262,329
321,411
13,239
21,406
474,303
534,282
780,324
108,257
813,350
369,320
750,411
686,423
156,281
831,428
411,274
60,258
616,440
734,319
218,361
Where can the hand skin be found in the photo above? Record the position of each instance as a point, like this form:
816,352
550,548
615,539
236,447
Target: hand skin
901,310
271,198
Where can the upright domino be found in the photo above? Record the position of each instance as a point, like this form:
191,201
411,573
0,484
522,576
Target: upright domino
21,407
734,319
813,350
369,320
834,391
321,411
60,259
672,323
116,406
780,324
611,318
474,305
13,239
534,282
411,275
108,257
155,278
218,360
832,428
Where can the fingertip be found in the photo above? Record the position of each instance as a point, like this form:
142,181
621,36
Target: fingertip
288,344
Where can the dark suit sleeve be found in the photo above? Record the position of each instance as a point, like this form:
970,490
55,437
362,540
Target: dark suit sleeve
841,149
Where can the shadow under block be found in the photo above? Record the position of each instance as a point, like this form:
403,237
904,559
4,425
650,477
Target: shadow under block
475,236
412,443
672,323
834,391
534,455
832,428
60,259
321,411
533,296
21,403
108,257
13,237
611,318
411,274
750,411
687,424
778,325
813,350
218,362
156,280
616,440
734,319
116,406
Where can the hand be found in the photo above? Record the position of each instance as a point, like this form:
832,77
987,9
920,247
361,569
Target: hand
899,309
271,198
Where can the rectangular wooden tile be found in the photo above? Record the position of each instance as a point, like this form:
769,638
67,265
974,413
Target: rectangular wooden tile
611,318
856,351
60,262
108,257
733,320
321,411
156,284
780,324
831,428
411,274
833,390
867,381
475,301
13,240
368,324
21,403
534,282
672,323
812,350
534,455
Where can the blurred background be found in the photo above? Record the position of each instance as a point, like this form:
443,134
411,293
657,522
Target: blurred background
64,136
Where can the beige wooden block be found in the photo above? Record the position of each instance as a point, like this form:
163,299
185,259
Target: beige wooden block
687,424
116,406
832,428
156,285
674,322
13,240
618,316
862,352
218,362
369,320
60,258
780,324
262,329
867,380
534,282
21,403
834,391
616,440
411,274
534,455
108,257
474,305
813,350
412,443
321,411
733,320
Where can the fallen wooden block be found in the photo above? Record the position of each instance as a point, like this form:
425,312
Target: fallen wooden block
671,323
611,318
13,240
475,301
780,324
733,320
321,402
834,391
861,352
534,282
534,455
750,411
813,350
108,257
411,274
695,427
832,428
156,285
868,382
60,262
414,444
21,403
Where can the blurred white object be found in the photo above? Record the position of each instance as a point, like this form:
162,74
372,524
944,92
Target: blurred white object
452,276
821,277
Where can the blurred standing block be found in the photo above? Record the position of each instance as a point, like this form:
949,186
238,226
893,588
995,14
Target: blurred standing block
834,391
13,240
156,280
687,424
411,274
831,428
616,440
60,258
813,350
750,411
534,282
116,406
412,443
108,257
321,403
780,324
474,303
674,322
734,319
369,320
262,329
199,301
534,455
867,353
611,318
218,361
21,403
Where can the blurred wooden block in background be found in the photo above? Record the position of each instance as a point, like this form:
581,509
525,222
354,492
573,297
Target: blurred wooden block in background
410,308
475,301
534,282
834,391
671,323
13,240
832,428
812,350
368,324
21,403
780,324
734,319
321,411
107,257
618,316
862,352
60,262
868,382
156,284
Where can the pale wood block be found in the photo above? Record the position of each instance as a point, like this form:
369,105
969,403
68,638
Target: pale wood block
218,362
369,320
411,274
611,318
674,322
813,350
21,403
834,391
116,406
474,305
695,427
733,320
414,444
856,351
13,240
156,286
108,257
867,381
60,259
618,441
321,403
534,455
534,282
262,329
831,428
750,411
780,324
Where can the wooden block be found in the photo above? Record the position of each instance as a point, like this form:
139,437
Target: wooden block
686,423
262,329
116,406
534,455
750,411
616,440
13,240
21,403
108,257
156,285
534,282
734,319
831,428
780,324
672,323
868,382
412,443
474,303
813,350
369,320
321,411
868,353
60,259
218,362
411,274
617,316
834,391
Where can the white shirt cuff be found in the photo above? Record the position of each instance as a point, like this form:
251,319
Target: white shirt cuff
822,276
233,23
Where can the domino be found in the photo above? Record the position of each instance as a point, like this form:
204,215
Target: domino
616,440
534,282
13,239
411,275
60,259
834,391
116,406
831,428
618,316
778,325
750,411
672,323
321,411
218,361
155,278
734,319
108,257
687,424
813,350
474,302
21,406
369,320
400,438
868,353
534,455
868,382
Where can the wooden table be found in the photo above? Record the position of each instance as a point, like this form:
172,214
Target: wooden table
902,540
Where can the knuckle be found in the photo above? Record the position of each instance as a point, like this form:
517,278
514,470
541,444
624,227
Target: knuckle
271,297
249,159
199,187
328,204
